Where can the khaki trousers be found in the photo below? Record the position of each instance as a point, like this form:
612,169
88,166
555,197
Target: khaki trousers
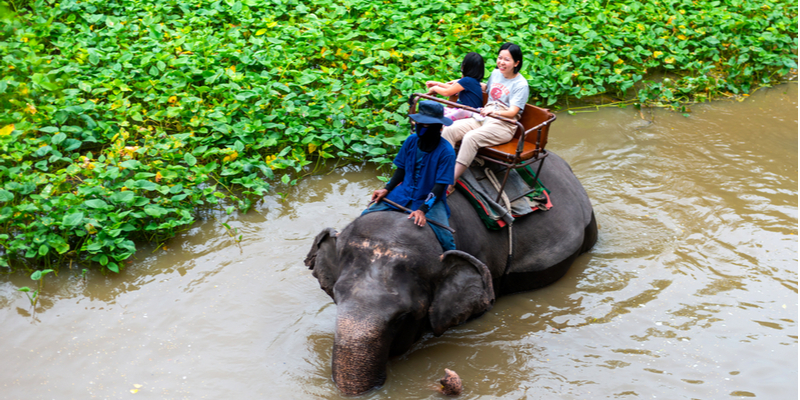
475,134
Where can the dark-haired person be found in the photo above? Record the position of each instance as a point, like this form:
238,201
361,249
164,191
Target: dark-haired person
468,87
424,171
508,93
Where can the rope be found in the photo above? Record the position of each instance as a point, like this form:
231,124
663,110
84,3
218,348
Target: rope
496,184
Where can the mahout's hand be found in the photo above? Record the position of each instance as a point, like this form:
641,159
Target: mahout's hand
419,217
379,194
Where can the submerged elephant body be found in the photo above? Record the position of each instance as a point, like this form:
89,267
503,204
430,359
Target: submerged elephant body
391,282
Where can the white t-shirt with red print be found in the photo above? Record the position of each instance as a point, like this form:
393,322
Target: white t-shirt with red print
509,92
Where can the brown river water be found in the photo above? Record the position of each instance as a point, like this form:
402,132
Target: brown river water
690,292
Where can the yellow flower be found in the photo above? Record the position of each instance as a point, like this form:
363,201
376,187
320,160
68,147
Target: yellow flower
6,130
669,60
231,157
657,54
619,61
30,109
173,99
681,37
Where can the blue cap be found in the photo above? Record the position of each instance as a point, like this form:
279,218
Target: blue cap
431,112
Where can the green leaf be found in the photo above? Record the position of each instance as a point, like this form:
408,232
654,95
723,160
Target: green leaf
145,185
189,159
36,275
6,196
96,203
61,247
58,138
125,197
155,210
113,267
73,219
49,129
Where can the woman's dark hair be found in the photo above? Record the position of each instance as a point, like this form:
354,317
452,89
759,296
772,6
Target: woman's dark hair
516,54
472,66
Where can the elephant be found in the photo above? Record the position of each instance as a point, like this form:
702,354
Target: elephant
391,282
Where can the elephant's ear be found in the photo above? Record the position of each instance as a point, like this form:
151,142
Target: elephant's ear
465,291
322,259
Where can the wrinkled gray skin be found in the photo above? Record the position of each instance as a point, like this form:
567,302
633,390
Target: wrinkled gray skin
391,282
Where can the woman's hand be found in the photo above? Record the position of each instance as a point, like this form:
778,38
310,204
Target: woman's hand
507,113
379,194
419,217
430,84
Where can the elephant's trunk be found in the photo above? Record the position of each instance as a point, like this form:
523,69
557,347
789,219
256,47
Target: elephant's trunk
360,352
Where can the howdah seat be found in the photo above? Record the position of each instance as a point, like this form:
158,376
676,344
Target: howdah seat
527,146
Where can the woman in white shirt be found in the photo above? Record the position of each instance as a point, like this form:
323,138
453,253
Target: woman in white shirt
508,93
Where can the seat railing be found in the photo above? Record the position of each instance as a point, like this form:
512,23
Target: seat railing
413,107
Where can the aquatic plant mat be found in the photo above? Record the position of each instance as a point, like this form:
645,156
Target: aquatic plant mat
118,119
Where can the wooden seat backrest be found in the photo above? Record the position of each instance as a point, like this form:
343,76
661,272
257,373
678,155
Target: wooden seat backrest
531,116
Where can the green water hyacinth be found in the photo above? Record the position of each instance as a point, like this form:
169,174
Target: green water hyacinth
120,119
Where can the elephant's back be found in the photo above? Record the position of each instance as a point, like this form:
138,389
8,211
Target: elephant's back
545,242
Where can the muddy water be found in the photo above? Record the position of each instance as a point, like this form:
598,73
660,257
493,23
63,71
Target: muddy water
690,292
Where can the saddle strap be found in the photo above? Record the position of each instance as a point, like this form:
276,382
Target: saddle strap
507,202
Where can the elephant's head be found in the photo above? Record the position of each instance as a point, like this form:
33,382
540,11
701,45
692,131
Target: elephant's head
391,284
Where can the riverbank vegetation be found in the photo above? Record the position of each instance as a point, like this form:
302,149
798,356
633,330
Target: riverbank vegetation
119,119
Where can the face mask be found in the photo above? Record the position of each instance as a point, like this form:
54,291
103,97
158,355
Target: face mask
421,130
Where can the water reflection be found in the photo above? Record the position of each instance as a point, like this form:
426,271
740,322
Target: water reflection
690,292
